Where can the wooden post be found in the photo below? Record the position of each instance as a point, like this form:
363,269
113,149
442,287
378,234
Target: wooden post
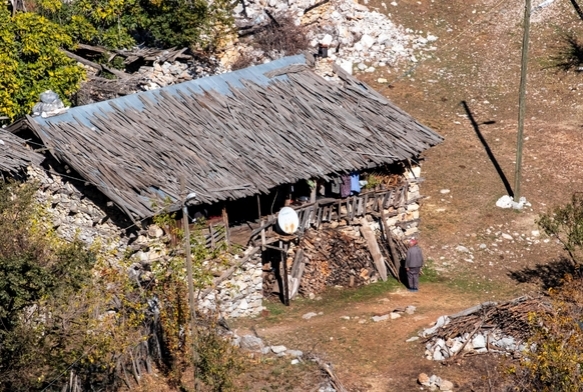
212,234
284,278
389,238
373,247
189,273
313,192
522,102
226,223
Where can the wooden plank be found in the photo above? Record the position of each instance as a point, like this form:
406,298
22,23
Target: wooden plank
285,280
226,223
213,244
318,217
395,265
366,202
385,198
373,247
262,236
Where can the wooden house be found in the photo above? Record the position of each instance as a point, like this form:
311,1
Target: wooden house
246,143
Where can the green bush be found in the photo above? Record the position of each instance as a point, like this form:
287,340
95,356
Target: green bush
32,62
118,24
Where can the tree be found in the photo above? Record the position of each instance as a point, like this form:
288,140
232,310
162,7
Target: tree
565,223
118,24
552,362
32,62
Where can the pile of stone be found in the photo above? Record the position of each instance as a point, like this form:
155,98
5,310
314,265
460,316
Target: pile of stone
486,328
162,74
435,383
354,35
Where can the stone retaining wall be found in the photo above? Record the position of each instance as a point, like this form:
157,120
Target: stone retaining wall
75,216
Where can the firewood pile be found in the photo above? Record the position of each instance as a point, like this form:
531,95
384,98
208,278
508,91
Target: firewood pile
488,327
335,257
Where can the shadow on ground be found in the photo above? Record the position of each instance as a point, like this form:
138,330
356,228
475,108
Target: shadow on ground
549,275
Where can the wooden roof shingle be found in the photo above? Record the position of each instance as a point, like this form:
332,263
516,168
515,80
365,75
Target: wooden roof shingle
231,135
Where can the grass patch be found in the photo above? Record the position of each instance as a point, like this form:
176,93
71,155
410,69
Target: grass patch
275,309
363,292
480,288
430,274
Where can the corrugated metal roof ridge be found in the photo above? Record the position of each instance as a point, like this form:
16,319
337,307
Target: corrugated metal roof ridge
219,83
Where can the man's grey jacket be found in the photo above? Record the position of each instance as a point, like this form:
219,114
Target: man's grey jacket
414,257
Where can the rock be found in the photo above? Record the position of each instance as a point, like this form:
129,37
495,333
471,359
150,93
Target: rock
394,315
155,231
345,317
366,41
278,349
346,65
412,339
376,319
309,315
382,80
295,361
456,346
369,69
251,343
294,353
462,249
444,191
445,385
507,236
483,246
437,356
535,233
423,379
410,309
441,321
479,341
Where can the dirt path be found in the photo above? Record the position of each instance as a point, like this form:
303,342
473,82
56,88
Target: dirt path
367,355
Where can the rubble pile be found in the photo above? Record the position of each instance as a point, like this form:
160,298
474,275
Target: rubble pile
162,74
355,37
486,328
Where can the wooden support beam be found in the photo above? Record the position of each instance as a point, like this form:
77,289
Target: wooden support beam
226,223
373,247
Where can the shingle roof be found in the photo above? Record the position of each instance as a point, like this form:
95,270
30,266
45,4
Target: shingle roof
231,135
14,154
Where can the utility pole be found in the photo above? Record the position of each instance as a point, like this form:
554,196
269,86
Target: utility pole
522,102
187,250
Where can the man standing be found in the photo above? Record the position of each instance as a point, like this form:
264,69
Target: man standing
413,264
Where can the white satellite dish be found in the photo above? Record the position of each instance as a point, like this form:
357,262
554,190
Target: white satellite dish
288,220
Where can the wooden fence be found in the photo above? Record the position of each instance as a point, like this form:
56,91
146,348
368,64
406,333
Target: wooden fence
328,210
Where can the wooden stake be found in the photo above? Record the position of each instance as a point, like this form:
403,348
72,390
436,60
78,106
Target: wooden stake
226,223
190,277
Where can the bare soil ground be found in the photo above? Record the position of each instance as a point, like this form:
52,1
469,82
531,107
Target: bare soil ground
477,61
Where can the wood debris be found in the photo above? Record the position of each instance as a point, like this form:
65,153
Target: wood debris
488,327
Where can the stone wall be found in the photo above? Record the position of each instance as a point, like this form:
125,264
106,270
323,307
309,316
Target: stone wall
242,294
73,215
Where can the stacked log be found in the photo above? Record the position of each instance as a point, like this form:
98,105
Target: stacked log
335,257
